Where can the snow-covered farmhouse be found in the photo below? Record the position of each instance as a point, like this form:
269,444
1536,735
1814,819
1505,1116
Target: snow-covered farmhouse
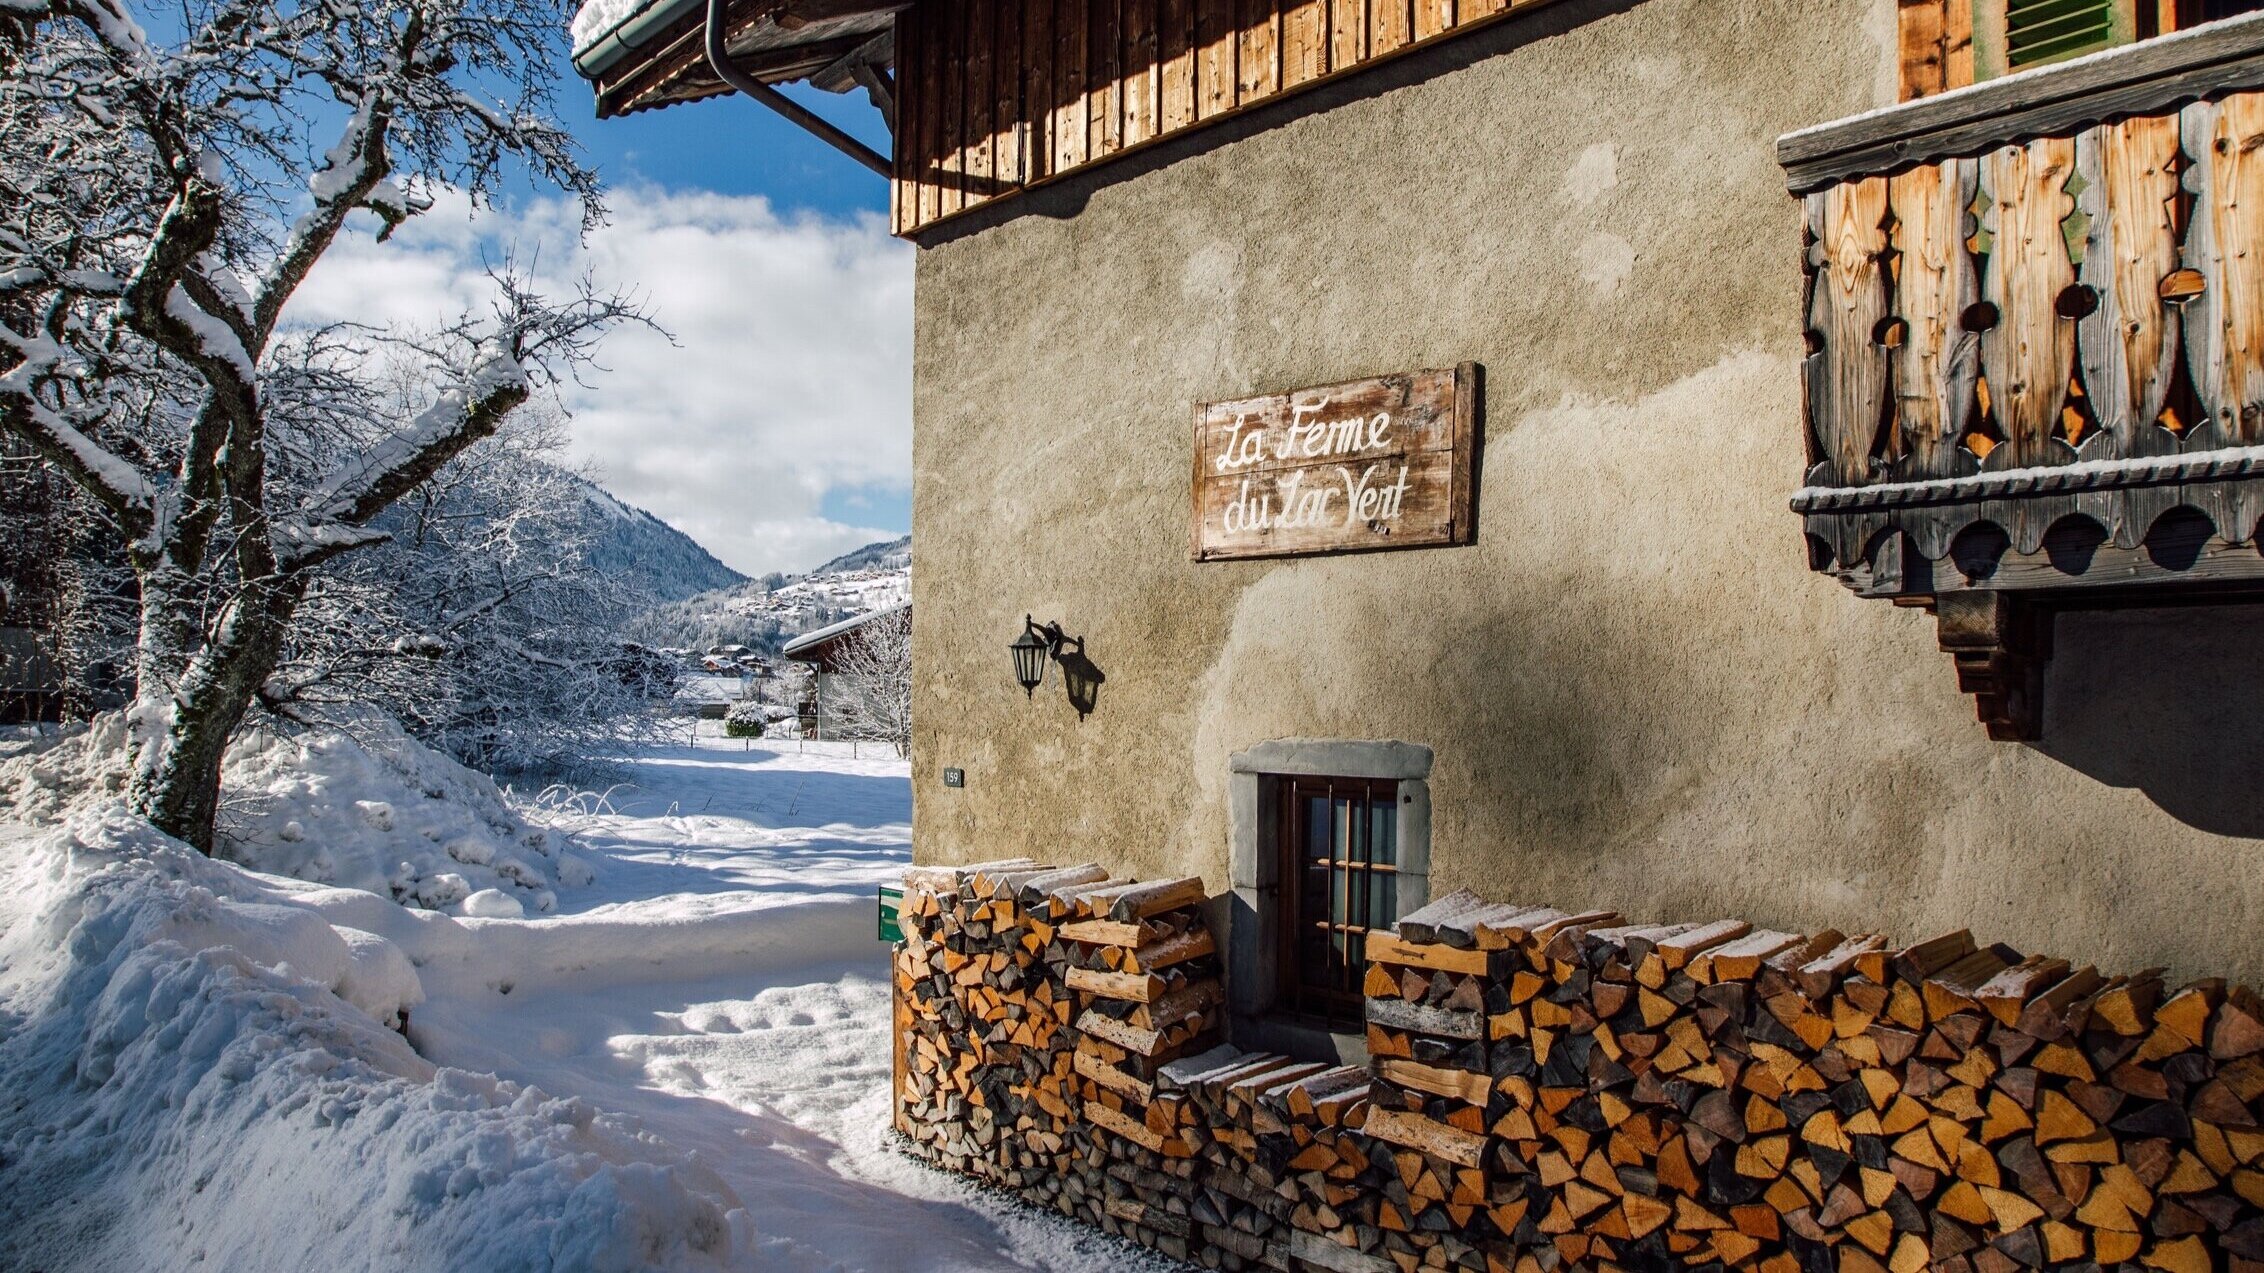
1609,633
830,652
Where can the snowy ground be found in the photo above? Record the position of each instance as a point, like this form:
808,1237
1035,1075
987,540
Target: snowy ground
692,1048
761,1043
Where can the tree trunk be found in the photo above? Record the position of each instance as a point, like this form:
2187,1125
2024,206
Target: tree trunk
177,780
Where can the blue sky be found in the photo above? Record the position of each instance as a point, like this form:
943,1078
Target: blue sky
734,146
739,147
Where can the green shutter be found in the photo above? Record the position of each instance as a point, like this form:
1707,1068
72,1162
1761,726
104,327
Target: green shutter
2040,31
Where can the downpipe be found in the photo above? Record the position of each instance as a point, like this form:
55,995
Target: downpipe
720,61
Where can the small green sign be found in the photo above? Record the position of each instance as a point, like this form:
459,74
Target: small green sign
891,930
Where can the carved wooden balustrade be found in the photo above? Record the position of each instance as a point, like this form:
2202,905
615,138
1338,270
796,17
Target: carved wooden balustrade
2035,314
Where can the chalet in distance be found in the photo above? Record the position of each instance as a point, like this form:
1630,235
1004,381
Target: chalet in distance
821,651
1353,442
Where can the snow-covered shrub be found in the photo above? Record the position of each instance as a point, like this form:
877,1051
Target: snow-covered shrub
48,776
369,807
747,718
197,1071
363,806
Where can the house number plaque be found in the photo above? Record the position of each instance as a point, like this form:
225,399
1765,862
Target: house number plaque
1389,462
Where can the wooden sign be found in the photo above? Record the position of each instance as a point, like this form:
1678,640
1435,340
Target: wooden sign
1383,463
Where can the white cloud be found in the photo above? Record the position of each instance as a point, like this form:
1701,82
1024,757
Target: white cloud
789,376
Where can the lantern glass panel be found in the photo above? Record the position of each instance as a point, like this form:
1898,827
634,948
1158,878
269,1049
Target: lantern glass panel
1029,661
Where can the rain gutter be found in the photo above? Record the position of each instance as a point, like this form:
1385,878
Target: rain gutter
627,35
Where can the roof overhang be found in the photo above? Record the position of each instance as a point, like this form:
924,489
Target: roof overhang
824,645
654,57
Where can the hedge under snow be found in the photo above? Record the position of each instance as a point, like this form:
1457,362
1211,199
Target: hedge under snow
362,806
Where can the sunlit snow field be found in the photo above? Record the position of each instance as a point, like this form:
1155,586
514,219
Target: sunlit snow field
198,1070
734,997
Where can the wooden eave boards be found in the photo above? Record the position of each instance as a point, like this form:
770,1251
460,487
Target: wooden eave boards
775,42
995,96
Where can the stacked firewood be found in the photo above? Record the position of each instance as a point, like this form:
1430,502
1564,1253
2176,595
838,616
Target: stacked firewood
1431,993
1284,1170
1693,1094
1268,1153
983,1017
1550,1090
1145,973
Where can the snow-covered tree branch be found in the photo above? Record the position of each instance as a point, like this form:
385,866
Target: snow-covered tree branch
870,687
481,622
161,201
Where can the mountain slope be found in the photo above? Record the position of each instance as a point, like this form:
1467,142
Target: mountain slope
645,553
893,554
763,614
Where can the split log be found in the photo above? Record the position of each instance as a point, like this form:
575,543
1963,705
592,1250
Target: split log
1153,899
1420,1133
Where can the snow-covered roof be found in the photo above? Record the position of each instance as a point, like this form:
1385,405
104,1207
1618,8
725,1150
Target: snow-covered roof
596,18
599,21
810,640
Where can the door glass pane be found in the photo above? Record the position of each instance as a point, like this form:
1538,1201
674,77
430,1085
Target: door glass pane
1318,833
1338,849
1313,897
1339,898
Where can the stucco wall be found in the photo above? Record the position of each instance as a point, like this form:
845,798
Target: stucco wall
1638,695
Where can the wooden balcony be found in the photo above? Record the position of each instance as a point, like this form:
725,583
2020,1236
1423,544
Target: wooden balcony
2035,316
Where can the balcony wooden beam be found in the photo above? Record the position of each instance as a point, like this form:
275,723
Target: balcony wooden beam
2000,643
2150,77
2034,350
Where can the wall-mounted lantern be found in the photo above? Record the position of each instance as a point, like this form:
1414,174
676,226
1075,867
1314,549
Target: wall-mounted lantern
1030,651
1040,642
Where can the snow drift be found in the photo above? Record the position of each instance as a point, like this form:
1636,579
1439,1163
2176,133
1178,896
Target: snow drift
197,1072
363,806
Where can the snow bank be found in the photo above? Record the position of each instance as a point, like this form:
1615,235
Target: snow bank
45,776
370,808
197,1073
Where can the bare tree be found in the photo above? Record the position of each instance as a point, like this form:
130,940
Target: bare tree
482,624
870,687
161,201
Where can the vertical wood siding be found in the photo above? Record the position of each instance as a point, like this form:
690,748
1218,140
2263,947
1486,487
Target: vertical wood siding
998,95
